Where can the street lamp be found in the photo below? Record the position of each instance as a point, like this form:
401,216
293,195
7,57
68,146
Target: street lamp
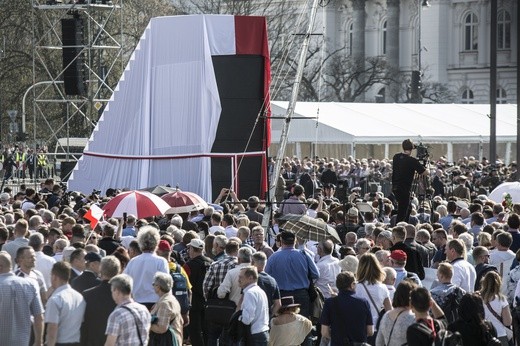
416,82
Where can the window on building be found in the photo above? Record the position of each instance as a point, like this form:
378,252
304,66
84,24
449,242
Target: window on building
380,97
470,32
350,37
384,38
467,96
501,96
504,30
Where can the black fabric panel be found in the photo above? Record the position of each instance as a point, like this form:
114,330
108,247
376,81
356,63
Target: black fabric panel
240,81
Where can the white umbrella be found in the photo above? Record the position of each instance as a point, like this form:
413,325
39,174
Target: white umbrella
512,188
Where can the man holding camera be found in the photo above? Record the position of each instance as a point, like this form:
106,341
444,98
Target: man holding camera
404,168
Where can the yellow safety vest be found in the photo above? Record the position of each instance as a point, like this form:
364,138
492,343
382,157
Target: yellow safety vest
19,157
42,159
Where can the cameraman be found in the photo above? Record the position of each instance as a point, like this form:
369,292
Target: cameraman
404,168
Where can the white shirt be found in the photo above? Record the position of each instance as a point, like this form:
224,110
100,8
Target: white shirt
231,231
126,240
464,275
255,310
329,269
497,305
378,292
216,228
503,261
230,284
142,269
66,308
44,265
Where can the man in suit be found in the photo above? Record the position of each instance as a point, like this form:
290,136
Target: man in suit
89,277
99,304
462,191
413,262
77,263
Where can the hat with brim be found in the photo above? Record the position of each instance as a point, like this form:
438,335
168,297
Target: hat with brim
288,302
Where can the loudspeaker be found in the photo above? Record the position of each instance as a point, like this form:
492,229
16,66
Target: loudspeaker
66,169
73,63
240,82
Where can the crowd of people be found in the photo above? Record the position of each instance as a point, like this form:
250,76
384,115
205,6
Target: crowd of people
152,281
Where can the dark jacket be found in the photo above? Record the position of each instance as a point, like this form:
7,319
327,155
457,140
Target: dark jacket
196,269
86,280
109,244
413,261
99,306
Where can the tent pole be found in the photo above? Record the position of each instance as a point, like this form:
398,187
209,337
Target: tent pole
290,110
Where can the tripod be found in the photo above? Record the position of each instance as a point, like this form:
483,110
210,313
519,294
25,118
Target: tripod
421,187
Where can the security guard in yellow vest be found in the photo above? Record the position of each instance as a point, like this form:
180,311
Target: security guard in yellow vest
41,163
20,158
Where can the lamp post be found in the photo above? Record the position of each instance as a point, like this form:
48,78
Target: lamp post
416,83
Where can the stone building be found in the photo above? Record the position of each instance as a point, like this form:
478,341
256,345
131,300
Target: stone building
449,40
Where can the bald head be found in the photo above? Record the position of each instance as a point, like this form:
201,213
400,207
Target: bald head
5,262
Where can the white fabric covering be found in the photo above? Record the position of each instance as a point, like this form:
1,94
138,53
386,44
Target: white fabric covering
165,104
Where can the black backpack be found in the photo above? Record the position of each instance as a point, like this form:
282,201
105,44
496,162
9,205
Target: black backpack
180,289
443,337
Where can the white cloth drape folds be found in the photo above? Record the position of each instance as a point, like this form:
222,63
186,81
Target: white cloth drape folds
166,103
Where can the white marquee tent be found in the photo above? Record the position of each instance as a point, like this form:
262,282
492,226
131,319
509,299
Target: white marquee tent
358,124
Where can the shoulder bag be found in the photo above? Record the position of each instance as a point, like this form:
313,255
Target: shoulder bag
393,325
219,311
136,324
509,332
380,311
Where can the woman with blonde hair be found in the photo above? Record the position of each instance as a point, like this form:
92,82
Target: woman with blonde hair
370,277
496,306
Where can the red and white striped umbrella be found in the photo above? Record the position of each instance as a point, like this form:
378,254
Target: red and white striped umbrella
142,204
184,202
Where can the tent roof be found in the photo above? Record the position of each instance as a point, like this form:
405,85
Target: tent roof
390,123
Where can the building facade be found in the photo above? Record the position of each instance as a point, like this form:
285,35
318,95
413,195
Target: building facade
448,40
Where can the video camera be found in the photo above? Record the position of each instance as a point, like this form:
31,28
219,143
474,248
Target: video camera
422,151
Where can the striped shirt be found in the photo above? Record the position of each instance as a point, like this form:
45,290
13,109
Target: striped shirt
23,302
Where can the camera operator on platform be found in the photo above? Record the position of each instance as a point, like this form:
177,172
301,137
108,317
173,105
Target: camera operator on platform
404,168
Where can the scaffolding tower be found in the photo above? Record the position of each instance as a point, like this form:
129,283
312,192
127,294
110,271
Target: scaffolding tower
77,61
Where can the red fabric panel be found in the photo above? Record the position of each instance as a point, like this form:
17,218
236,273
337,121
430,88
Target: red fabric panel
251,39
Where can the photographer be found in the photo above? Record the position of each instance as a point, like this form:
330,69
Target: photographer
404,168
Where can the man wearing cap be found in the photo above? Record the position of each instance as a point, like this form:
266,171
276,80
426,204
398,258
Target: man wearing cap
462,191
347,316
292,269
398,262
89,277
196,269
404,168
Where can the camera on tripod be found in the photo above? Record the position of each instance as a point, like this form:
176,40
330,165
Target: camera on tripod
422,151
